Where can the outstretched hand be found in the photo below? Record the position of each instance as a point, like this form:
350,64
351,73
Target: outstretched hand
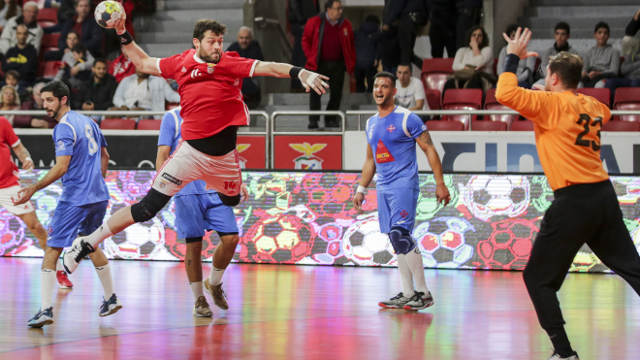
518,45
313,81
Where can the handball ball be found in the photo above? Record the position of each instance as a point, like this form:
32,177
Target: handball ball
108,12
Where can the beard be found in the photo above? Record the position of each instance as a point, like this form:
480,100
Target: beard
209,59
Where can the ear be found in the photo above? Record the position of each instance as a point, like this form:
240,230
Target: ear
196,43
555,79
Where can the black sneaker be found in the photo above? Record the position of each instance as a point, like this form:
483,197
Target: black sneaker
110,306
419,301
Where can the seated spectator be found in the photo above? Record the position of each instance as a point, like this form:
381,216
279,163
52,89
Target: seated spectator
121,67
473,64
76,67
143,92
34,103
97,92
630,68
9,100
22,57
42,4
72,39
84,24
66,10
561,33
526,67
12,78
8,9
367,42
601,61
410,92
248,48
29,18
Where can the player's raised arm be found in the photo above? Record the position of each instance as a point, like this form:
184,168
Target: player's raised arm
425,143
309,79
139,57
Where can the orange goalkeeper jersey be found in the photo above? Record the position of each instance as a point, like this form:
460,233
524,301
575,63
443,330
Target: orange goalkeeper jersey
567,129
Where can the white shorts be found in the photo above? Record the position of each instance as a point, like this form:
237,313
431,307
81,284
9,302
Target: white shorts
6,199
186,164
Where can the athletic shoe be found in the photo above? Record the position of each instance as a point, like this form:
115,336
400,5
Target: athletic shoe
110,306
396,302
42,318
72,256
201,308
557,357
419,301
219,298
63,280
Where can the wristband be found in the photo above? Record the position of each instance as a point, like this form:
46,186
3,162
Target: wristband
511,64
293,73
360,189
125,38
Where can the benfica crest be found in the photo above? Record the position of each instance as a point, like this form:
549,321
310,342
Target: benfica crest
241,148
307,161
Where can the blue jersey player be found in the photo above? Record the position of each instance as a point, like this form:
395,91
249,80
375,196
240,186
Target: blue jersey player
392,135
197,210
81,162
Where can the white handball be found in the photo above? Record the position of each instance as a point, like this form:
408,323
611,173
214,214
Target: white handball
108,12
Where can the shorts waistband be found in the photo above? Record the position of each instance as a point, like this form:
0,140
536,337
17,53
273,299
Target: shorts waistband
581,189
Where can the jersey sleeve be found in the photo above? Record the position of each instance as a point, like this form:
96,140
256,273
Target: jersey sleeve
169,66
414,125
534,105
237,66
63,139
9,137
167,130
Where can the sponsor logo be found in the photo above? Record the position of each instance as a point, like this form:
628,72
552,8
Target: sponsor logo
382,153
171,179
308,161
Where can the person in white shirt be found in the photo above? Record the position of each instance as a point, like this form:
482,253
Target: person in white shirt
410,92
473,64
143,92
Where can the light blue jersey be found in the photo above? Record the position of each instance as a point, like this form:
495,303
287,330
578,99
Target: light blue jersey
80,137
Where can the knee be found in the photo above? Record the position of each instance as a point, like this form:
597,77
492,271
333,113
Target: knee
149,206
229,239
401,240
229,200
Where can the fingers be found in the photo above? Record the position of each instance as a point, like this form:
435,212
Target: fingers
506,37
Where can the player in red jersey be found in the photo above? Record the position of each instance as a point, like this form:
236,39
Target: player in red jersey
209,82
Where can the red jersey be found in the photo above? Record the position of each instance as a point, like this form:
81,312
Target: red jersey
8,170
210,94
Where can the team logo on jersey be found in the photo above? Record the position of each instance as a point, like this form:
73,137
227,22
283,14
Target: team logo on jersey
404,213
210,68
308,161
382,153
391,128
184,69
242,148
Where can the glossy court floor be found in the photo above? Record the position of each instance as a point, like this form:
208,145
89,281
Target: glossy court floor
305,312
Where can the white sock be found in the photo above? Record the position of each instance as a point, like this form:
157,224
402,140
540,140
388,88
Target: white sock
196,289
414,261
100,234
405,275
59,265
47,287
215,276
104,274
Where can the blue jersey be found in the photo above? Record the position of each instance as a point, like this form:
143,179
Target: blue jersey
170,136
392,141
80,137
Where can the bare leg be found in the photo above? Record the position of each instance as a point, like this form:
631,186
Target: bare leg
36,228
193,261
224,252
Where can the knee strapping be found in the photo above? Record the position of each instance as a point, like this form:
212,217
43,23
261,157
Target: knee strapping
149,206
229,200
401,240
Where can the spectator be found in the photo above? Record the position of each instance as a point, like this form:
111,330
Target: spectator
468,14
35,103
143,92
442,33
367,40
9,100
561,33
328,45
390,52
473,64
121,67
8,9
248,48
298,12
72,39
76,67
112,41
66,10
407,16
601,61
97,92
526,67
12,78
22,57
410,92
630,68
84,24
29,18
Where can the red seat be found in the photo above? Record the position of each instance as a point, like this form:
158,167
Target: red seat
50,40
118,124
49,69
621,126
462,99
522,125
627,98
435,72
433,98
487,125
444,125
628,106
601,94
490,103
48,14
149,124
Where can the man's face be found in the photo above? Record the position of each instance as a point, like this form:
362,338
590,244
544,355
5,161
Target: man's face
99,69
82,8
602,36
244,38
30,14
335,11
209,48
51,104
21,34
383,91
561,37
403,73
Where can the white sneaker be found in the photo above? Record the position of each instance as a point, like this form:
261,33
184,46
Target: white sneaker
557,357
72,256
201,308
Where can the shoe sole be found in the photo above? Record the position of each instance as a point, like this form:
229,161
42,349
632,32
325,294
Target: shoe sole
196,314
385,306
65,287
112,311
39,325
409,308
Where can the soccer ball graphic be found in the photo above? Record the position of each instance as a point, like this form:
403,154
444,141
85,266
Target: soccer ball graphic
12,234
490,195
327,249
509,245
108,12
364,244
442,242
139,241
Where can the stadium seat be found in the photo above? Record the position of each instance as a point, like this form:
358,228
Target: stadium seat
118,124
47,17
50,40
490,103
621,126
627,98
522,125
601,94
435,72
149,124
433,98
462,99
49,69
487,125
445,125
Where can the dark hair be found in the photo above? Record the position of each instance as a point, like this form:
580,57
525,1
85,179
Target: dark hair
568,67
511,28
205,24
600,25
562,26
372,19
329,4
100,59
13,73
408,65
485,37
386,74
79,48
58,88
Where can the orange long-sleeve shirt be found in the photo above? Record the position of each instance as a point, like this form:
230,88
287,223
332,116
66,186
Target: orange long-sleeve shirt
567,130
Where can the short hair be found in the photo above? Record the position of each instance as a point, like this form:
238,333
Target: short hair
206,24
329,4
13,73
568,67
246,28
32,4
100,59
386,74
58,88
562,25
22,25
485,37
601,25
407,65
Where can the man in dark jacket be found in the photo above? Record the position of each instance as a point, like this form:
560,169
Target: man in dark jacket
22,57
407,17
442,33
468,14
248,48
97,92
367,41
328,45
298,12
83,23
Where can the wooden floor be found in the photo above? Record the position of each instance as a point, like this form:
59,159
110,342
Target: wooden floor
304,312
